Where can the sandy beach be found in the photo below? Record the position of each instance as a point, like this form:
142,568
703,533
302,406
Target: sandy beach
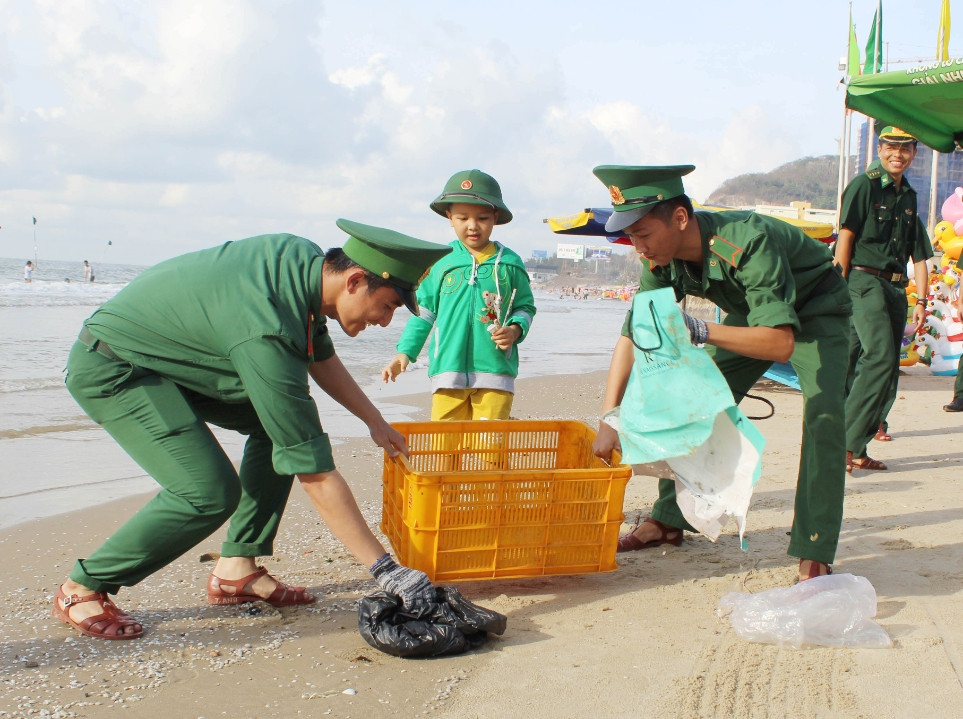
641,641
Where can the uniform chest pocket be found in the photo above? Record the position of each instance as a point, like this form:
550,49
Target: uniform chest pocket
884,223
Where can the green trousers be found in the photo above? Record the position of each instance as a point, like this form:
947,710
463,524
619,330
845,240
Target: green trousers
164,428
819,359
879,319
958,384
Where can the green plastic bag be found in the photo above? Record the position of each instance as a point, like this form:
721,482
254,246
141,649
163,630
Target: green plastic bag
675,389
678,408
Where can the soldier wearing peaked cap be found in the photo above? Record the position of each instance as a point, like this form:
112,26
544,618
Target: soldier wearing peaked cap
784,302
229,336
879,231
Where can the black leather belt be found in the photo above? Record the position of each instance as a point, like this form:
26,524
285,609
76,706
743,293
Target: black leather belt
888,276
96,345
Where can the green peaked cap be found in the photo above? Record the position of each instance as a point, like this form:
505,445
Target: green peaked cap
636,189
472,187
402,260
895,136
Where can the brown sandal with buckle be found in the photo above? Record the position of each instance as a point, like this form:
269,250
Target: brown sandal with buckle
109,624
866,462
630,543
815,569
282,596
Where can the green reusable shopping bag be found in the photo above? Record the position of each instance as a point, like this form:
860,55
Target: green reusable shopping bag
675,389
678,408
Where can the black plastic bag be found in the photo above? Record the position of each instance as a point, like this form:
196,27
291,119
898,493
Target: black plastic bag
449,625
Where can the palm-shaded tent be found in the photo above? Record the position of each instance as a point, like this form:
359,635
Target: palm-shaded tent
926,101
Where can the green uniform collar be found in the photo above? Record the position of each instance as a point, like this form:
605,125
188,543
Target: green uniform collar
876,172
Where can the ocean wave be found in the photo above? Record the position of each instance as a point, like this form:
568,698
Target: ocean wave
39,430
31,384
86,486
40,293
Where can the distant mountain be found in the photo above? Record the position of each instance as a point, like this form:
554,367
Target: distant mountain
811,179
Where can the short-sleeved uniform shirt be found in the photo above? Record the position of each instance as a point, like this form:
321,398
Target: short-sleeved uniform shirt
233,323
758,267
885,221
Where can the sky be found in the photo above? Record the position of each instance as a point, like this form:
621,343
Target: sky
136,130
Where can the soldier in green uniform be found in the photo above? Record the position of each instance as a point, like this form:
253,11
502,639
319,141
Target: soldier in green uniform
229,336
879,231
784,302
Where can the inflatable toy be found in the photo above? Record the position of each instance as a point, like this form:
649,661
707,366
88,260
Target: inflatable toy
952,210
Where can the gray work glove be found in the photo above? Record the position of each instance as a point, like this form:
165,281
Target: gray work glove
411,585
697,329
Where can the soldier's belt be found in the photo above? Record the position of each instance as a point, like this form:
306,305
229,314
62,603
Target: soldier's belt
87,338
888,276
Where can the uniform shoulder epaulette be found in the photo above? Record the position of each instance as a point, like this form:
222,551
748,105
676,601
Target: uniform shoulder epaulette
874,174
725,249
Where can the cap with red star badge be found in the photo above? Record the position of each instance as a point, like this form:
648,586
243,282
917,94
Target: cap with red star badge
635,189
472,187
402,260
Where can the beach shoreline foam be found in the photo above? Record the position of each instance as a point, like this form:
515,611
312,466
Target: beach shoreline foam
642,640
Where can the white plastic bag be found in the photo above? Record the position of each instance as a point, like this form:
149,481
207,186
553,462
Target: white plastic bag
678,408
834,610
715,481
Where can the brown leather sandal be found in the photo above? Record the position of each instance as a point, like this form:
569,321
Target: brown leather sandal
109,624
867,462
882,435
282,596
630,543
815,569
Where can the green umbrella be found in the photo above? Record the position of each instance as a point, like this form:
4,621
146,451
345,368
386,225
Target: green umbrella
925,101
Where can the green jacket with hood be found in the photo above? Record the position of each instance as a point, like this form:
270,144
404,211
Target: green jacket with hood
458,299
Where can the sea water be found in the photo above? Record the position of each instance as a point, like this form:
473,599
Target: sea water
53,458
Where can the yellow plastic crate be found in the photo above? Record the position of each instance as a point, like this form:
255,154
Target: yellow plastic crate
502,499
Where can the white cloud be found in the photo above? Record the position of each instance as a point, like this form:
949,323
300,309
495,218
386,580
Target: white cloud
182,124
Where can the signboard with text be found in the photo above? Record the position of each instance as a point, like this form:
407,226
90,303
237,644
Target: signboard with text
570,252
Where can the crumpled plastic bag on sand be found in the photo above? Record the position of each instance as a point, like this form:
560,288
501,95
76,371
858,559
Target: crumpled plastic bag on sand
449,625
833,610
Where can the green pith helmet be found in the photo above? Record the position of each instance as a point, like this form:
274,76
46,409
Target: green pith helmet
636,189
895,136
402,260
472,187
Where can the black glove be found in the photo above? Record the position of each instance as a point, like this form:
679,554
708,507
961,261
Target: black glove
411,585
697,329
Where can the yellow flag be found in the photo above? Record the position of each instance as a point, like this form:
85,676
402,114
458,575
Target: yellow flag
943,38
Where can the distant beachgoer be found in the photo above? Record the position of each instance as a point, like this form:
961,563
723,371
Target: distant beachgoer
88,272
28,272
478,300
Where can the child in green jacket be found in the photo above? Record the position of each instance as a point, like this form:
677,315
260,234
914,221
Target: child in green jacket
479,301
